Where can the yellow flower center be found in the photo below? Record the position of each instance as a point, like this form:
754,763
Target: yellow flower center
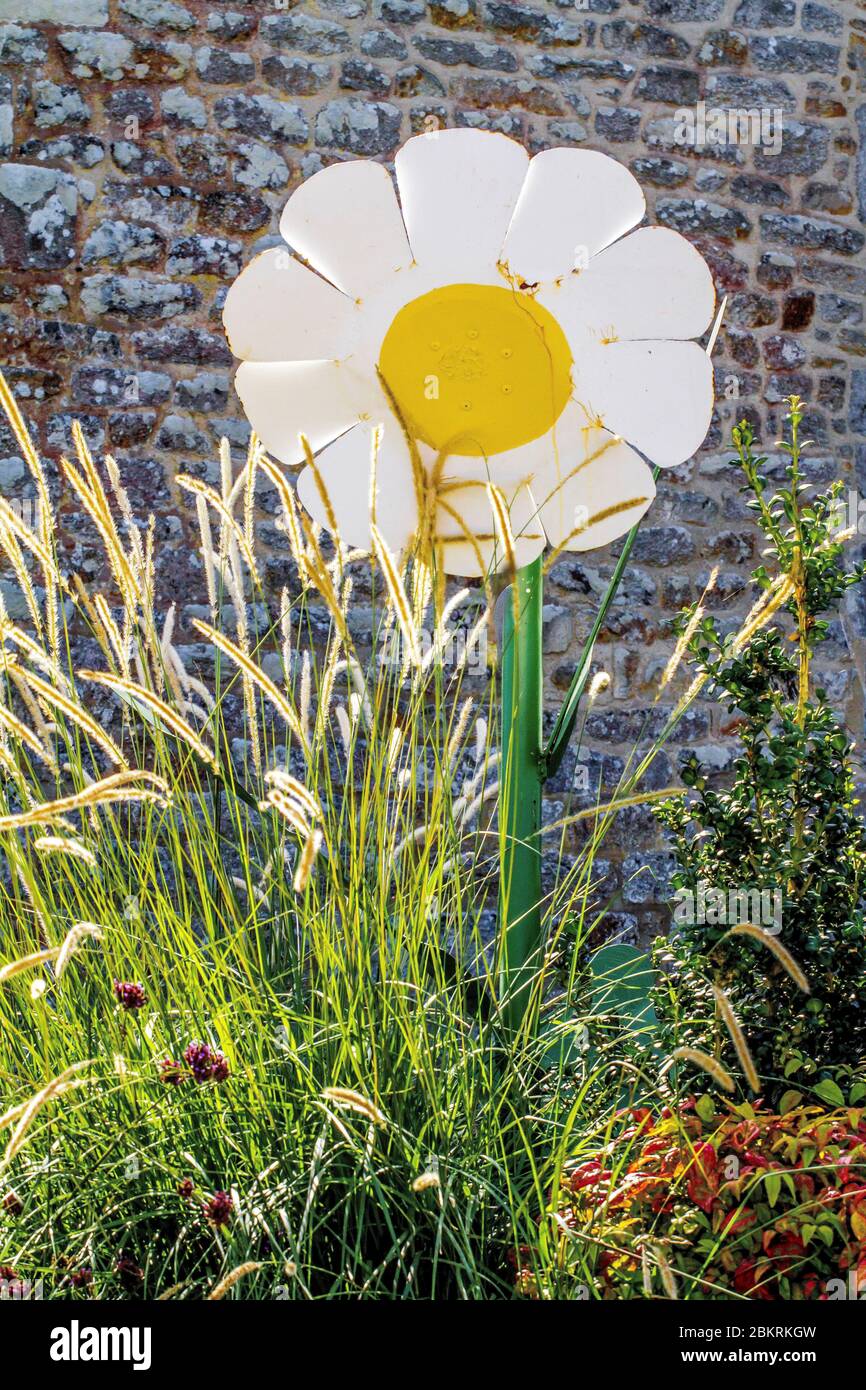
476,369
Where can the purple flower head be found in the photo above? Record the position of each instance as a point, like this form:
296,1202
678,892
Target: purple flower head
205,1063
128,1271
129,995
171,1072
219,1209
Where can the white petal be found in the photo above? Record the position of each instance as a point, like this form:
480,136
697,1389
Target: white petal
282,400
345,470
652,284
346,222
279,311
573,204
465,511
593,474
458,189
657,395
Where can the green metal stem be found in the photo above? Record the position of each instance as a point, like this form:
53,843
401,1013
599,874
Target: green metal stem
526,764
520,826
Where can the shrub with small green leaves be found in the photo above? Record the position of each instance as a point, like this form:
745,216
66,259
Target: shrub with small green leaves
787,822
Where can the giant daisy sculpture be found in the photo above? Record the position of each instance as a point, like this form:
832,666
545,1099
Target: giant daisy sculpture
498,336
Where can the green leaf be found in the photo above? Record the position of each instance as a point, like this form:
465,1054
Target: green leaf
622,978
858,1092
706,1109
828,1091
773,1185
790,1100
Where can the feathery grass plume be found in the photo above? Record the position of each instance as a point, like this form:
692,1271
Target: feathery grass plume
306,695
225,494
326,689
10,547
321,489
235,581
230,525
239,1272
15,529
58,844
686,635
112,632
422,590
597,686
16,1111
167,667
31,704
594,520
667,1274
249,477
706,1063
54,1088
474,806
397,595
645,1272
426,1180
286,631
455,742
165,713
757,618
319,575
502,527
353,1100
344,727
276,777
16,967
117,787
72,941
291,523
126,511
209,558
24,734
592,812
312,845
96,506
441,634
31,458
738,1037
74,711
46,663
470,787
773,944
257,676
769,602
277,800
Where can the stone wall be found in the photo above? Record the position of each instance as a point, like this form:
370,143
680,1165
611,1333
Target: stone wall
149,145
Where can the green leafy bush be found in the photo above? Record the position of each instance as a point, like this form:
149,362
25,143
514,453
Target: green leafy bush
787,824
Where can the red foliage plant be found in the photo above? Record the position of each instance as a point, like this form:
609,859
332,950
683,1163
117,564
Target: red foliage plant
699,1204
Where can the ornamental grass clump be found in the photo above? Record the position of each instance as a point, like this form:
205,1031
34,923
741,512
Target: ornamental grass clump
247,908
785,834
